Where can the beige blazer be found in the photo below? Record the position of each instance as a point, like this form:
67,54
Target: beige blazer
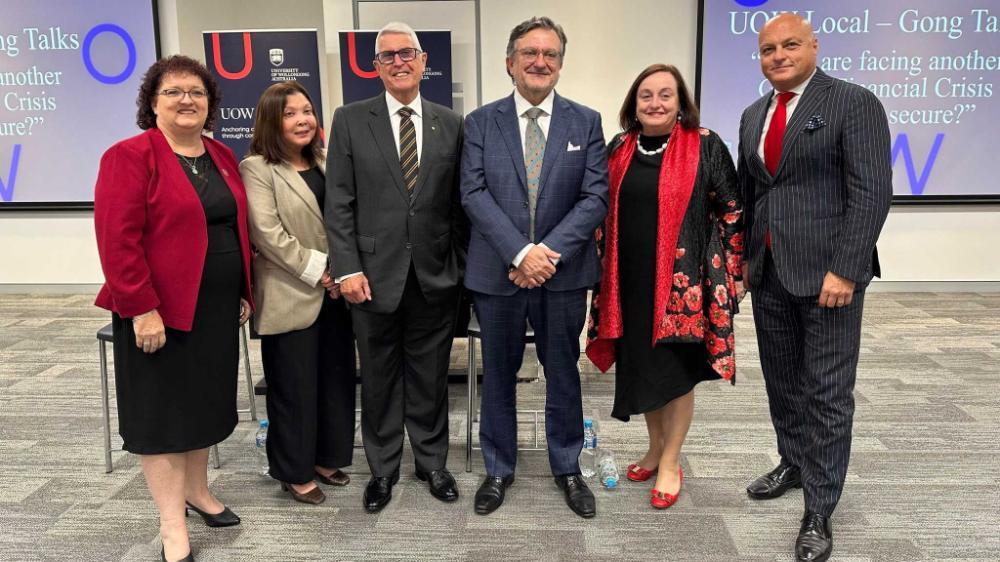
286,227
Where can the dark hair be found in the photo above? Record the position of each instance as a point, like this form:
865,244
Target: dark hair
532,24
689,116
177,64
268,140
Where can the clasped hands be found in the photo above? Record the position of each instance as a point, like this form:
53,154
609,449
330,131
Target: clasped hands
536,268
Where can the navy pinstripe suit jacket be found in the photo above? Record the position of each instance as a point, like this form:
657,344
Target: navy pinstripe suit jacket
830,195
572,195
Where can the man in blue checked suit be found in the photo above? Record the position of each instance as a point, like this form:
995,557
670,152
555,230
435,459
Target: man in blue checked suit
816,173
534,185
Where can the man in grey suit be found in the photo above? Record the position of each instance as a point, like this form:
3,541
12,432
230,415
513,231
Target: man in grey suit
815,168
398,238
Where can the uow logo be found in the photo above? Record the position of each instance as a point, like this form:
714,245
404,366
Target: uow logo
902,147
7,186
352,58
247,58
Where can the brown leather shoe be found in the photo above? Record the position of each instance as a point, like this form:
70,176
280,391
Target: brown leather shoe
314,496
337,478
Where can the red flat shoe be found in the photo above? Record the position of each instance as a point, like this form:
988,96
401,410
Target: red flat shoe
638,474
663,500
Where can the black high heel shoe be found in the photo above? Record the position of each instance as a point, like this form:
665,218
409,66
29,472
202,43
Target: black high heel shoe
225,518
188,558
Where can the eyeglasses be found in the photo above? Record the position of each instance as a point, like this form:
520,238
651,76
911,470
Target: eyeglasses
196,94
405,55
530,53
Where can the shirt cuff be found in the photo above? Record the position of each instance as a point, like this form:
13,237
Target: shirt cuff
520,255
314,269
349,275
554,261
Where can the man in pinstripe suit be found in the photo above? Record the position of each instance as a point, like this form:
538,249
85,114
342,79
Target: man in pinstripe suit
815,168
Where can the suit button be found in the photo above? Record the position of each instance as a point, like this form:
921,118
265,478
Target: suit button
412,213
525,204
408,245
524,234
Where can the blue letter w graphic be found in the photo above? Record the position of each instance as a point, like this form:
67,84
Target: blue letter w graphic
902,146
7,188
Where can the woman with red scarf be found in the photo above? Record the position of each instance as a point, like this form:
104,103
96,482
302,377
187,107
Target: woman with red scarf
672,246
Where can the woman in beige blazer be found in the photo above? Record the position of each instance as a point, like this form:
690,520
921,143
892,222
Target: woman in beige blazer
307,343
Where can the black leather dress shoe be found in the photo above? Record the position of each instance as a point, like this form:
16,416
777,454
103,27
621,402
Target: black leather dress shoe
490,494
772,485
225,518
579,498
815,541
378,492
442,484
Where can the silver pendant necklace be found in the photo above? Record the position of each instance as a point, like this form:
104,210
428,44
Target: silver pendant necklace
638,146
192,163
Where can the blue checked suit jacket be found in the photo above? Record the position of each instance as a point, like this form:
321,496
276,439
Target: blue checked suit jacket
572,195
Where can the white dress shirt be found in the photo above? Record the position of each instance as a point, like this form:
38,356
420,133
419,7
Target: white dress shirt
522,105
395,118
789,108
416,118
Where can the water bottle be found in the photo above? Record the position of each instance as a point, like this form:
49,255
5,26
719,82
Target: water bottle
589,452
260,444
608,469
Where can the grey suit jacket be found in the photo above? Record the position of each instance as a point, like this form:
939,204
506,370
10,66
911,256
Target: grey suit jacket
830,195
286,227
374,226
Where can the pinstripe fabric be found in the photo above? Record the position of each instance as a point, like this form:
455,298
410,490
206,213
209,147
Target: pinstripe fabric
408,149
810,363
824,207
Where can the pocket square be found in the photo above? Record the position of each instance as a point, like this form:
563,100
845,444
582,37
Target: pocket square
570,147
815,122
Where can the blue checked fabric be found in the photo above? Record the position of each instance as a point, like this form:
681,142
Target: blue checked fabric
534,150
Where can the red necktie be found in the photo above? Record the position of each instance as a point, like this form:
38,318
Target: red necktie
773,141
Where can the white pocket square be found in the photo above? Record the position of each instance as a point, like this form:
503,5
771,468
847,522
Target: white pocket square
570,147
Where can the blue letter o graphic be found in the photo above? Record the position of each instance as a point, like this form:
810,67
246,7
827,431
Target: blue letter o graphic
751,3
129,44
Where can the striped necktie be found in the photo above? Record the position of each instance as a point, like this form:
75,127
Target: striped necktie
408,148
534,151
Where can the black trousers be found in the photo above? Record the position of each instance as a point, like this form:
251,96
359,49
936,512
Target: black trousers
404,380
809,356
310,395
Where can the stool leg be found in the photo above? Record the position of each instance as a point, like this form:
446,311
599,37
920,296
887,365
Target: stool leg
471,385
244,338
215,455
105,406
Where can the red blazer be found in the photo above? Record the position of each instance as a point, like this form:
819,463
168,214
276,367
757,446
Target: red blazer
151,231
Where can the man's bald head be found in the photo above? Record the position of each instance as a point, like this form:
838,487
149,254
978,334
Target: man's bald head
788,50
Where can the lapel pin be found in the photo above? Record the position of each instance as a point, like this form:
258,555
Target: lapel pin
433,128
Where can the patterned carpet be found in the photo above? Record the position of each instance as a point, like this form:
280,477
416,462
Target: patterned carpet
924,481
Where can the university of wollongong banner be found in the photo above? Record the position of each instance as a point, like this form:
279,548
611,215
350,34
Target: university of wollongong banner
245,63
361,81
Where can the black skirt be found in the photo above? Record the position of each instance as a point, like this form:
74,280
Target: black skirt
183,397
646,377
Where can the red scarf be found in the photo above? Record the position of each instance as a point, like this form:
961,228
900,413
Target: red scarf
678,171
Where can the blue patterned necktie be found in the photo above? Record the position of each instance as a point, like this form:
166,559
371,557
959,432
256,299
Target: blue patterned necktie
408,148
534,150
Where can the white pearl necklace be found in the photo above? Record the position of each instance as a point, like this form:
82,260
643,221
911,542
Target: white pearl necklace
638,146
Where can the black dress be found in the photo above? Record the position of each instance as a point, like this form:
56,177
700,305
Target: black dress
646,377
183,397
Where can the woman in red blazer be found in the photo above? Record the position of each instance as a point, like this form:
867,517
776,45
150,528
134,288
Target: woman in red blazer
171,218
